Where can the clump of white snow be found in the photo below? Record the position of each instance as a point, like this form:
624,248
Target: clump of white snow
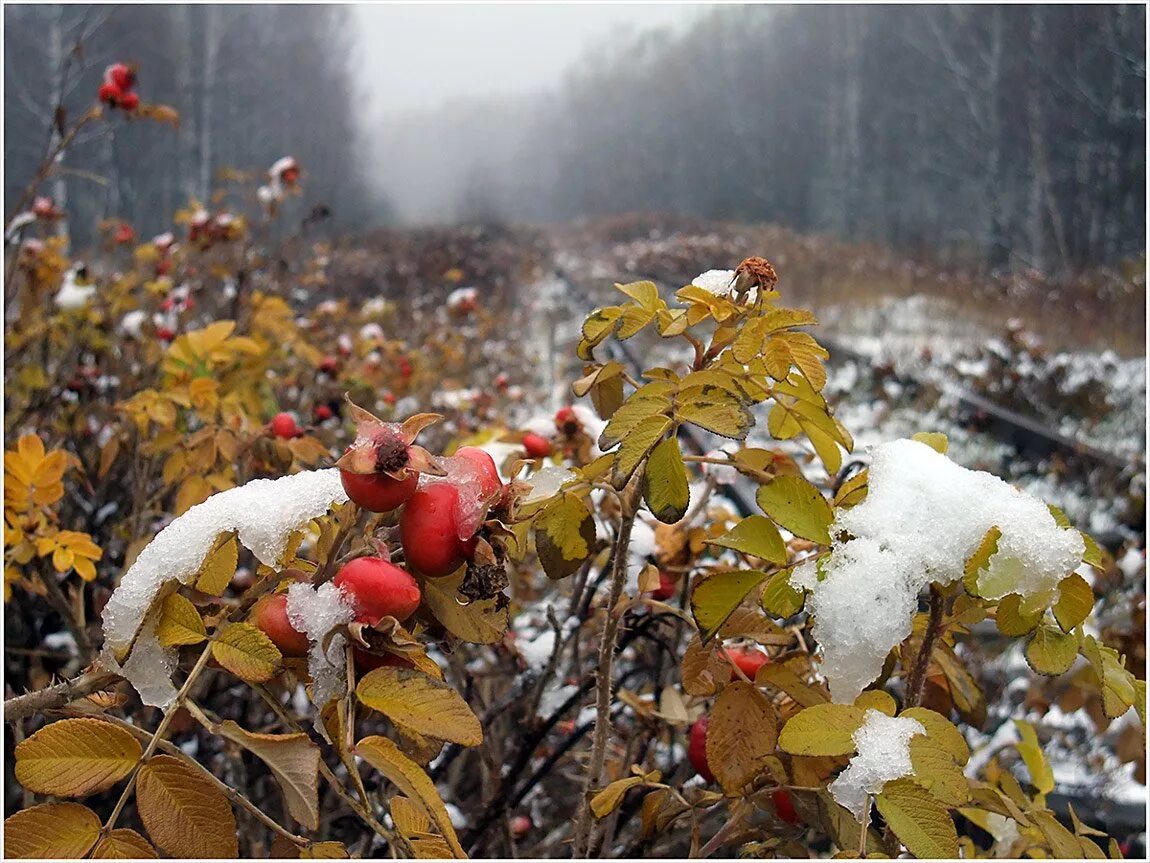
923,517
316,612
717,282
883,745
547,482
72,295
263,513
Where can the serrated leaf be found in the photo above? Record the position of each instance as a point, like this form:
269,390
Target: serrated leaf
1051,651
665,484
564,535
935,440
822,729
779,598
1093,553
421,704
980,560
876,699
936,771
183,811
247,652
636,446
608,800
645,293
179,622
853,491
408,817
409,778
800,350
124,844
51,831
1075,602
965,691
741,735
219,566
294,761
480,622
702,669
1011,620
920,821
797,505
717,596
725,416
942,731
76,757
783,677
757,536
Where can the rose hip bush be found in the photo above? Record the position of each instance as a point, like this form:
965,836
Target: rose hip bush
295,631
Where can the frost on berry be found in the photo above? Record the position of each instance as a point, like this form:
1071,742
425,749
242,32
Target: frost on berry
922,518
471,504
883,745
316,612
263,513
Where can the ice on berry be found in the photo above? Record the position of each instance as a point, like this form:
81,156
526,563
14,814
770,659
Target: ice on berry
922,518
471,504
316,612
263,513
547,481
883,755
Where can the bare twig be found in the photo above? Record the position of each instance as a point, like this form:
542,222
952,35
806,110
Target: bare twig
917,679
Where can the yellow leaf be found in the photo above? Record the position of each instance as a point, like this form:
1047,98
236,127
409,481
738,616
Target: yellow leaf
247,652
720,414
183,811
564,535
76,757
1041,774
797,505
294,761
942,731
936,771
638,408
409,778
608,800
219,566
408,817
757,536
480,622
1011,620
935,440
1051,651
636,446
1075,602
741,735
717,597
665,483
51,831
921,822
822,729
324,851
878,700
421,704
124,844
179,622
193,490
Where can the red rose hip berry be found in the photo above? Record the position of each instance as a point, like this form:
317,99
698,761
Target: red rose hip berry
697,749
785,807
429,531
537,446
379,589
749,661
270,615
489,484
283,425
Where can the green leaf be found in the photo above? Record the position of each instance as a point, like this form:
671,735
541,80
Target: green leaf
919,820
822,729
797,505
564,535
757,536
1075,602
636,446
1093,553
779,599
718,595
1051,651
1119,687
665,484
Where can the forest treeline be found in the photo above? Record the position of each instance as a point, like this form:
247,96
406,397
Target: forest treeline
251,83
1006,135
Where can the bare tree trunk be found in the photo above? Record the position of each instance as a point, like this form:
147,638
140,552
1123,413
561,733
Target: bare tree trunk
211,57
56,63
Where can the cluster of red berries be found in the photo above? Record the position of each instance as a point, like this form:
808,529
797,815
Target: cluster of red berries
116,91
45,209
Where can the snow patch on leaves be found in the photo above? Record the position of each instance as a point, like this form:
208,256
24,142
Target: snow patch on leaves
263,513
316,612
923,517
883,744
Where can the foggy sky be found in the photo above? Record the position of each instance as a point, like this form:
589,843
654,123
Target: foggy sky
418,57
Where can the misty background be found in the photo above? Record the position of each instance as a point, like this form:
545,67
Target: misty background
1012,137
